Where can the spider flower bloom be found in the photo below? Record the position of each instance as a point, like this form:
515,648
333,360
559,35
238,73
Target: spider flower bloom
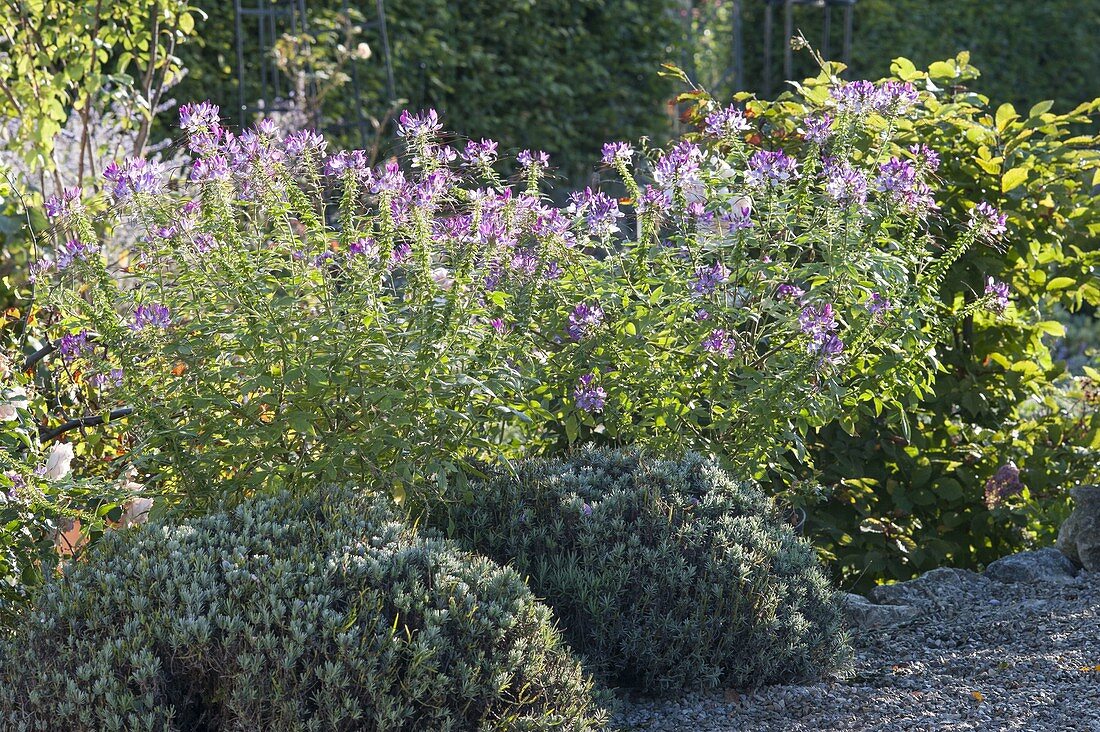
1002,484
73,250
419,127
719,342
616,152
988,222
302,142
726,123
584,321
878,304
480,154
199,117
150,316
537,159
74,345
707,279
818,129
818,323
844,184
771,166
62,205
588,396
997,295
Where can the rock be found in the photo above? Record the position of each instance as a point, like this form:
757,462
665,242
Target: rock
1044,565
943,586
865,615
1079,537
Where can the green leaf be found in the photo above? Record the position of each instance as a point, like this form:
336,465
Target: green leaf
1061,283
1013,178
1005,114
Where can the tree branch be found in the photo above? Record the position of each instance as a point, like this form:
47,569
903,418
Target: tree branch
93,420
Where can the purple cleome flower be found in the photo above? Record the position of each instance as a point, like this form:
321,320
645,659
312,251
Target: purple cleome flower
74,345
878,304
925,157
482,153
150,316
419,126
818,129
679,167
73,250
304,142
601,212
844,183
134,176
537,159
789,292
861,97
200,117
617,152
771,166
707,279
366,247
997,294
1002,484
819,324
988,222
588,396
214,167
62,205
720,342
653,201
584,321
726,123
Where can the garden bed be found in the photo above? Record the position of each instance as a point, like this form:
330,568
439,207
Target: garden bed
990,656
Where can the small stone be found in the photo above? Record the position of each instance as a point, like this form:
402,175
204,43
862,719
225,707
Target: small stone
943,586
1044,565
1079,536
866,615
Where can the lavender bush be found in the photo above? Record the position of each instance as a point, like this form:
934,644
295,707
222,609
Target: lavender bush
292,315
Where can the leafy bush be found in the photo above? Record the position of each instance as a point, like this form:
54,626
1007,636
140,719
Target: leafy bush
666,574
286,615
298,319
910,483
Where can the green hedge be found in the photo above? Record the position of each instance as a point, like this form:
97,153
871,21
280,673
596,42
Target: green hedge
560,75
1028,51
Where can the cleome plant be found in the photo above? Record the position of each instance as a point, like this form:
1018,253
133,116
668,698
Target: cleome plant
291,315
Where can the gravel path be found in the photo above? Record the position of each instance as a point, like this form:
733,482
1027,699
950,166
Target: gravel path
1020,656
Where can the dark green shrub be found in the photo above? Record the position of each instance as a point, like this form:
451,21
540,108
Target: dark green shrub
664,573
286,615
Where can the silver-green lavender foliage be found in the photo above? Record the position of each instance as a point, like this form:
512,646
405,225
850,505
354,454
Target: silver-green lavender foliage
666,574
284,615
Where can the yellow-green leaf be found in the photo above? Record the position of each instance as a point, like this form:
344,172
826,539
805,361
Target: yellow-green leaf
1061,283
1013,178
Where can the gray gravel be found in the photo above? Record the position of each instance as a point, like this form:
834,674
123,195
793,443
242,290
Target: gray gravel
1004,657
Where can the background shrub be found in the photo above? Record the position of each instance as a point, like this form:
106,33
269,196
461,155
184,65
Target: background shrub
910,484
558,75
286,615
1028,51
665,573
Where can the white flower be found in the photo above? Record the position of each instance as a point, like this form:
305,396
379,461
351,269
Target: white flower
59,462
137,511
16,399
442,277
362,51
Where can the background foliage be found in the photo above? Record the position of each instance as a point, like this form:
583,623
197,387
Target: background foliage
558,75
910,488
